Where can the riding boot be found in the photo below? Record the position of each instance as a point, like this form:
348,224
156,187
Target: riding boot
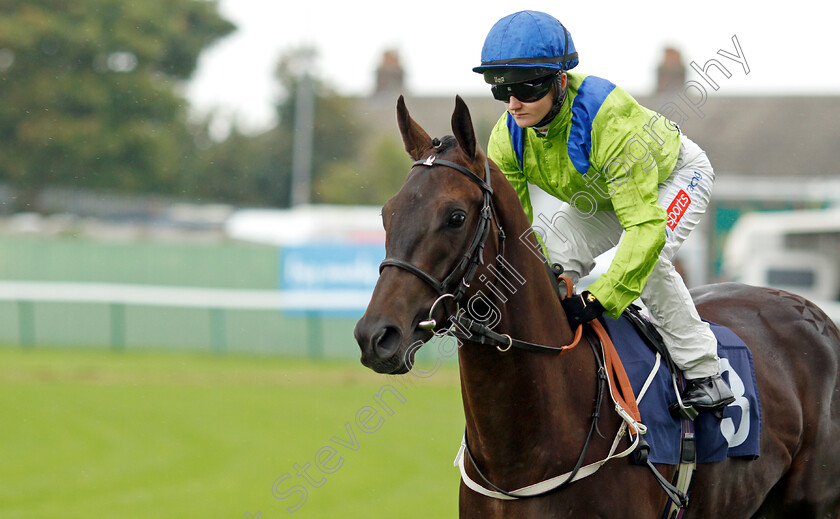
705,394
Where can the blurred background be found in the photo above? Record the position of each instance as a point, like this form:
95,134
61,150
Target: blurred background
189,229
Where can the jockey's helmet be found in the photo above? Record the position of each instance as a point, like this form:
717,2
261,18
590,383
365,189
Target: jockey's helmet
525,46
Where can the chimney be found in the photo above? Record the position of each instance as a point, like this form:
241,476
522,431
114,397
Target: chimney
671,72
389,75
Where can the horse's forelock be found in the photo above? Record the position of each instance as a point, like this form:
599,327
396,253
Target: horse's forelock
447,142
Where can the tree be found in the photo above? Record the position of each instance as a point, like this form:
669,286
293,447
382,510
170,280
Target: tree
371,179
256,170
350,163
88,91
243,169
337,128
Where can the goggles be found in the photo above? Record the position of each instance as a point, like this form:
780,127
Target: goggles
526,91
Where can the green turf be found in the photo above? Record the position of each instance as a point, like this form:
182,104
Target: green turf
137,435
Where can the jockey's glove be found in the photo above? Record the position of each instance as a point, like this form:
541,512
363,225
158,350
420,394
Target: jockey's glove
581,308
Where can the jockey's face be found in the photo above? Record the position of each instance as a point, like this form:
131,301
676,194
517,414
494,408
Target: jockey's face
529,114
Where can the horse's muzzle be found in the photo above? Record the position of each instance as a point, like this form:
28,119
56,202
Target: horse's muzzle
380,345
386,348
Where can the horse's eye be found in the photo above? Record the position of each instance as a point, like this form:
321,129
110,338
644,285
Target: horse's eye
457,219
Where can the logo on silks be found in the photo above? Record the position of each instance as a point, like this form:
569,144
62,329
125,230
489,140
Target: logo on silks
330,277
677,209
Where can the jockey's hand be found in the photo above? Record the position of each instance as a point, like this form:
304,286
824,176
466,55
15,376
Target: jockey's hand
581,308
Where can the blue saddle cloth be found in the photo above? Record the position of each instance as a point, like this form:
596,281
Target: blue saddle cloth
736,435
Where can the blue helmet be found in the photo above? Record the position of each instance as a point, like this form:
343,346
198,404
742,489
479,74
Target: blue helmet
526,45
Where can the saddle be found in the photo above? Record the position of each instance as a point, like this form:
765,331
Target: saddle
675,440
679,488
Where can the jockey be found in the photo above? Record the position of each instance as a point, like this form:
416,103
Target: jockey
629,178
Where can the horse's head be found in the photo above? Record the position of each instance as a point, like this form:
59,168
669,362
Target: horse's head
435,232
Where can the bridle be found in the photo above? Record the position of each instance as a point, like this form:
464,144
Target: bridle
476,331
474,255
462,326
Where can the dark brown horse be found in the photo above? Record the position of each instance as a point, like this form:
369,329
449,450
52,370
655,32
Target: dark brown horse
528,413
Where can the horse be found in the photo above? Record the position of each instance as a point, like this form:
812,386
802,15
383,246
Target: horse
457,231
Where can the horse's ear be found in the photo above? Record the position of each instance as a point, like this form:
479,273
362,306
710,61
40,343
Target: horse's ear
415,138
462,127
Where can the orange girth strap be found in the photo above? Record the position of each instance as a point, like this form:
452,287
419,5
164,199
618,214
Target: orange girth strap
615,369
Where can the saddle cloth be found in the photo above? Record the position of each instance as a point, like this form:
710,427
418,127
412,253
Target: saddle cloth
736,435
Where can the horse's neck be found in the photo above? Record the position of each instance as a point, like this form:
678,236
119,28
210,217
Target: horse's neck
517,401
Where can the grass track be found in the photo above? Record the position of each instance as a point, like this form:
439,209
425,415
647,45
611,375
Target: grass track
158,435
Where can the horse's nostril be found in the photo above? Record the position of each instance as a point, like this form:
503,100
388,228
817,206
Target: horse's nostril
386,342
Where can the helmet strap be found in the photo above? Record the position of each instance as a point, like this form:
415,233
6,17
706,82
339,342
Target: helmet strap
559,99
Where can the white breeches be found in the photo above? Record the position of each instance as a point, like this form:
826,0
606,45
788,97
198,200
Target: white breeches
684,196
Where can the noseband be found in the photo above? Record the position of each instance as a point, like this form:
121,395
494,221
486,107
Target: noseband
474,256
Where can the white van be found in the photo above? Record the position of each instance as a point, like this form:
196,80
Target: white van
798,251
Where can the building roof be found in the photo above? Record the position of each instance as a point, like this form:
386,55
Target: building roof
778,136
764,136
767,136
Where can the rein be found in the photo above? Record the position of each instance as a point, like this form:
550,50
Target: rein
482,334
